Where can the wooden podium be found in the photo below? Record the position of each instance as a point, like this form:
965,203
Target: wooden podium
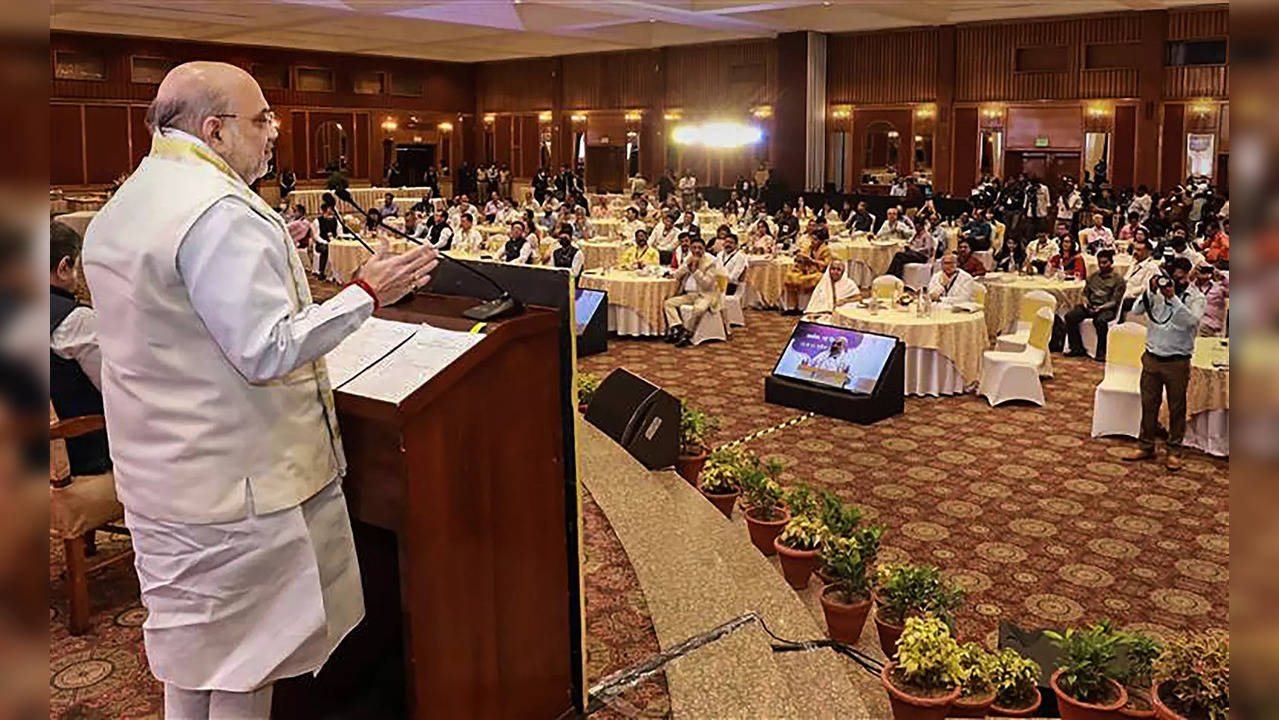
468,476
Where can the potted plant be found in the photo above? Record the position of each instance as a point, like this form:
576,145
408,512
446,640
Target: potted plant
907,590
800,541
719,479
695,427
1140,652
587,384
923,681
848,563
1083,681
841,521
1192,679
762,506
1016,685
337,181
977,669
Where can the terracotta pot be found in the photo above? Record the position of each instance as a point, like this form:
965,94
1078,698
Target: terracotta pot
977,706
764,532
909,707
1027,711
723,501
1072,709
1129,712
888,635
1162,711
689,467
797,565
844,622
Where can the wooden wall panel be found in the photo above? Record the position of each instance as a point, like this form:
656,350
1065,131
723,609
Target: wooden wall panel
882,67
530,139
1122,146
1211,81
1173,146
967,139
516,85
106,137
1063,126
502,141
1199,23
66,145
608,81
360,147
724,76
301,154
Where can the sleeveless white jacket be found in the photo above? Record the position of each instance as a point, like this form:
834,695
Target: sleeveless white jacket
187,430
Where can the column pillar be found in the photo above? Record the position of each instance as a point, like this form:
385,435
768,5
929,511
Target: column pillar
1150,86
799,118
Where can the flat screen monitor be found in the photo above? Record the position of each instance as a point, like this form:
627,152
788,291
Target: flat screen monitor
835,357
586,304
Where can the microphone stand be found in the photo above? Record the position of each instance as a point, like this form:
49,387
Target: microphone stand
503,305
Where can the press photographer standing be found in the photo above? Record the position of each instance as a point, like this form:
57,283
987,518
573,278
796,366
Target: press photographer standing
1175,308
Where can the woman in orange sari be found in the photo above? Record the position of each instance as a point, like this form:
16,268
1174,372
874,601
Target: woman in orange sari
810,265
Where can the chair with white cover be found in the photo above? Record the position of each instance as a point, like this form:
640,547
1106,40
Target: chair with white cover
1088,334
712,325
1015,375
987,258
1019,335
916,275
1116,404
733,306
885,287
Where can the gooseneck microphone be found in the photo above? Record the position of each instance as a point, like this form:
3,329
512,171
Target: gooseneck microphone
503,305
357,237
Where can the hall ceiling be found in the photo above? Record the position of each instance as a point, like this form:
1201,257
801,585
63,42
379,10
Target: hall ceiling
479,30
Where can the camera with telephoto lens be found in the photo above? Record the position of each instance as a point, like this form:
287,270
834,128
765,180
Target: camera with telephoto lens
1163,282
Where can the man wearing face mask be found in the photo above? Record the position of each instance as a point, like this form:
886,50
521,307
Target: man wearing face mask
1182,248
224,438
1175,309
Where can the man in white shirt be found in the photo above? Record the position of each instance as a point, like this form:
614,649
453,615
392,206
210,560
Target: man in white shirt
895,228
1069,203
1141,203
698,287
389,207
665,235
225,445
1137,279
567,256
467,238
951,282
688,188
734,262
462,207
626,229
1098,237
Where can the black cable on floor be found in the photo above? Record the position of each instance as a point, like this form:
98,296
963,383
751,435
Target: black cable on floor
868,663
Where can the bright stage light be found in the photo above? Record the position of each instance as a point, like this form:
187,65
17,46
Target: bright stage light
718,135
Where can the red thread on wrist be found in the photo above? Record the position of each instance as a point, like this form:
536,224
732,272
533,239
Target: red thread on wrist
363,285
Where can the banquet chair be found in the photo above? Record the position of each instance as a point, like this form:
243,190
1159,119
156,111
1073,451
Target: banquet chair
987,258
1019,337
916,275
1088,334
885,287
1015,375
979,295
1116,404
733,314
712,325
997,237
79,506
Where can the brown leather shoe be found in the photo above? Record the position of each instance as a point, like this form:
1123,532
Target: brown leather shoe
1172,461
1142,453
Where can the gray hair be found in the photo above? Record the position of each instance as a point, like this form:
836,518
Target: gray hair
186,113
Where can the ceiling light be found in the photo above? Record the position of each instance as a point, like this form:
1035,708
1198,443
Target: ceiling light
893,134
446,127
672,115
578,117
544,116
489,118
718,135
417,138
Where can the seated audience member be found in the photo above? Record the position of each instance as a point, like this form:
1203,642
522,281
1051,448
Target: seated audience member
521,249
75,361
1011,256
977,232
810,265
1218,246
1070,262
467,238
697,286
583,228
567,256
493,207
640,255
1103,294
373,223
967,261
1181,246
681,250
922,247
952,282
1214,284
437,231
626,229
1128,232
303,233
805,238
1137,279
665,236
410,223
462,207
1098,237
716,243
688,223
787,226
734,262
389,207
895,228
760,240
834,289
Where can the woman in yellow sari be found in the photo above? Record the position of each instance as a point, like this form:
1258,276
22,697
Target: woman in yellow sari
810,265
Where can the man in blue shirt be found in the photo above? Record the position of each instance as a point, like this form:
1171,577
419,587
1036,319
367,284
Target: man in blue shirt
1174,308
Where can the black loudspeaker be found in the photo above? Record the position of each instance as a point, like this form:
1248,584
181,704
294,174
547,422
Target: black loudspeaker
639,416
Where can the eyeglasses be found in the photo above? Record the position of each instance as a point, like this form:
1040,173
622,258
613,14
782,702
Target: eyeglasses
266,117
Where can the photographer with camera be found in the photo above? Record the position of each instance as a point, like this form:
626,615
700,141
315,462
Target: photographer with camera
1175,309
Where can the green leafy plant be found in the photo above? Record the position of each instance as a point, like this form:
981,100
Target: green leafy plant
803,532
695,427
977,670
1140,652
1194,677
800,500
927,657
1016,679
909,590
337,181
761,495
1087,661
722,472
848,561
587,384
840,519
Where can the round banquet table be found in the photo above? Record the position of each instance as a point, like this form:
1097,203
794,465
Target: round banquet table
869,259
634,300
943,349
606,227
488,230
1005,290
346,256
600,254
1122,263
764,277
1208,397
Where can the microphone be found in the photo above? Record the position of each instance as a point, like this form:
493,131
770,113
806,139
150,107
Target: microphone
357,237
503,305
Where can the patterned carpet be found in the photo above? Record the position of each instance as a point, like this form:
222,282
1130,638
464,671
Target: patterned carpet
1042,524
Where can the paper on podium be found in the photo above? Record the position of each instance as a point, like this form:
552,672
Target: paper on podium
413,363
364,347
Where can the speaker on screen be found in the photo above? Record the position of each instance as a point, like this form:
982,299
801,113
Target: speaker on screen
843,373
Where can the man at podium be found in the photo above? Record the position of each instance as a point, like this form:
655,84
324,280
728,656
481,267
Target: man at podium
224,436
